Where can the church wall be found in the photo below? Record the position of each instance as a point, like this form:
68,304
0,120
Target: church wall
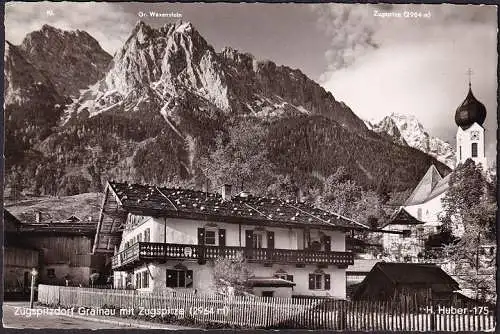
430,210
464,144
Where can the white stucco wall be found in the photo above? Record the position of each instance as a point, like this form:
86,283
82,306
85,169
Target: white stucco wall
301,278
464,142
145,222
281,292
185,231
430,210
203,279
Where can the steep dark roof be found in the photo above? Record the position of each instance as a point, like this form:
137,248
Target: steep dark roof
414,273
431,185
402,217
11,223
362,266
150,200
165,201
64,227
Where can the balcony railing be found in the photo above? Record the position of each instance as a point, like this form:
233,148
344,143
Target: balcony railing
144,251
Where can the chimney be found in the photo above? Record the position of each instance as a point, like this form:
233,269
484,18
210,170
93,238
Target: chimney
38,216
226,192
299,195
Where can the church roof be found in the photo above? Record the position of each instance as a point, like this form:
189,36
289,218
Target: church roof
470,111
430,186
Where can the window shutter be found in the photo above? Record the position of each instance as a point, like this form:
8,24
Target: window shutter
222,237
311,282
327,281
189,279
138,277
201,236
249,239
327,240
171,278
270,239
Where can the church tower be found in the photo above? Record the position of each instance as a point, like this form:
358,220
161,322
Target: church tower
470,116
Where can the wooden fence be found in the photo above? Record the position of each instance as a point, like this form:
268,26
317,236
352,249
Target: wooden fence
268,312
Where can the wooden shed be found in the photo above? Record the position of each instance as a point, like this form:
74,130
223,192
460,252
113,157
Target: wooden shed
421,282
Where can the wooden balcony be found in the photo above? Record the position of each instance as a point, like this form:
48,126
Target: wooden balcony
149,252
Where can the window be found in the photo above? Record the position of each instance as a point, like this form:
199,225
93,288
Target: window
51,273
460,152
139,237
209,237
147,237
257,240
419,213
179,278
319,281
474,150
145,279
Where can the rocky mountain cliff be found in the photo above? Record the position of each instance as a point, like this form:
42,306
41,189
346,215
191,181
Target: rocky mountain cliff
175,62
32,104
407,130
71,59
167,100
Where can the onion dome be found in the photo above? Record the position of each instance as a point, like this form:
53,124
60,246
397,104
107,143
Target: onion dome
470,111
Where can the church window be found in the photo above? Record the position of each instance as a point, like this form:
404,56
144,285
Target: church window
474,150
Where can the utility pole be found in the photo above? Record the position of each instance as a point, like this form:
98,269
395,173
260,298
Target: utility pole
34,272
477,263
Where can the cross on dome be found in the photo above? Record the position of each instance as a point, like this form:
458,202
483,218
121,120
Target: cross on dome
469,73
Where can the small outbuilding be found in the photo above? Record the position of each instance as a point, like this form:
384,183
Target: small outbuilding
271,287
422,282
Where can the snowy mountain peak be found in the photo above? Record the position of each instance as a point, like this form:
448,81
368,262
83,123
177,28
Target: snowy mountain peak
407,130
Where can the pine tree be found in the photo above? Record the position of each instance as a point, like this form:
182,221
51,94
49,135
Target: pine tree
469,214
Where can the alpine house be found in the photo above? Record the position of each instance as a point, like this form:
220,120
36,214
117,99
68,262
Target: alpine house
164,238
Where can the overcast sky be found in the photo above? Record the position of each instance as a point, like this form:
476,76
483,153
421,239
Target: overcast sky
377,65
